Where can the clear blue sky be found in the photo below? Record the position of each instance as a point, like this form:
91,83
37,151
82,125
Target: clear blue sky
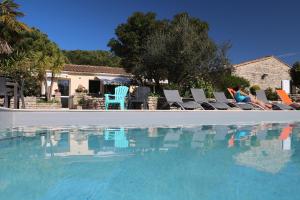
255,28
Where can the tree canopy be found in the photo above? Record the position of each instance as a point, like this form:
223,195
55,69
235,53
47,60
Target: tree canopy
96,58
131,37
295,74
32,53
178,50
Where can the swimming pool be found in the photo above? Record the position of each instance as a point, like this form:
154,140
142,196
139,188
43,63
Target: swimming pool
204,162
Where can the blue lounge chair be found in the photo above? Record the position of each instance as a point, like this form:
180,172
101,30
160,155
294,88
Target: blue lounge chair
117,98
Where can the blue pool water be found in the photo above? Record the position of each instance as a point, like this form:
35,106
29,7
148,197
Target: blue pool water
207,162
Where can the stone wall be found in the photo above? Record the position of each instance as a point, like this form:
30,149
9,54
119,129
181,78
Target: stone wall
265,72
154,103
94,103
157,103
90,103
33,103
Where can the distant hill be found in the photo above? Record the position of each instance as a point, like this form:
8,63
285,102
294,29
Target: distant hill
95,58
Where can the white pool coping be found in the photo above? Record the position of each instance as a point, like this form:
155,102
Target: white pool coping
10,118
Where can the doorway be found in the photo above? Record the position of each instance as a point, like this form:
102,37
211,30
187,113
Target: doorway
64,89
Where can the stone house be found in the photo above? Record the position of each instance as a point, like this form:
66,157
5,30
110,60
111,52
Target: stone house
265,72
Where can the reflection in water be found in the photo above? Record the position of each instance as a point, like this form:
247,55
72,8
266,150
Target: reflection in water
285,137
270,155
118,136
203,162
266,147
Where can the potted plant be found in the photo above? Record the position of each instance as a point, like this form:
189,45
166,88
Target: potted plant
82,103
81,89
153,101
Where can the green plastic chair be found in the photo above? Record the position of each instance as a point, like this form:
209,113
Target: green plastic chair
117,98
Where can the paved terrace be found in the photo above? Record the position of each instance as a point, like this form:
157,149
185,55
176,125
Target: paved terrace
10,118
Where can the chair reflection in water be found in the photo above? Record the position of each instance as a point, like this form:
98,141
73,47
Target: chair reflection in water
172,137
118,136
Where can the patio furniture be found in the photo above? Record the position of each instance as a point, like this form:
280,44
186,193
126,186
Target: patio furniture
118,136
173,98
261,95
140,96
8,89
198,140
232,93
200,98
287,100
3,91
220,97
171,139
221,132
117,98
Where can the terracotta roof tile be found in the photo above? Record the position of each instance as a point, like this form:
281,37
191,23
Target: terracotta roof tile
94,69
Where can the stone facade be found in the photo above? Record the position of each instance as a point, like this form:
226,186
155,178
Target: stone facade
33,103
156,103
265,72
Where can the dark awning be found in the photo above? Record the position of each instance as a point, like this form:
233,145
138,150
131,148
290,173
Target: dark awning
114,80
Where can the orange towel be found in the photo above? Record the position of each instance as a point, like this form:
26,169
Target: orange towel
284,97
285,133
231,141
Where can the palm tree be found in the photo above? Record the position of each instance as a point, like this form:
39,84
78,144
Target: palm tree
4,47
9,13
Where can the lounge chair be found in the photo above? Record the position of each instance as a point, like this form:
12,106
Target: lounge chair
200,98
173,98
220,97
117,98
140,96
232,92
287,100
221,132
261,95
198,140
171,139
3,92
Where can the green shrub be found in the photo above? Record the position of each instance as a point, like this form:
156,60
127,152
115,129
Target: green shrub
171,86
185,88
32,87
152,94
82,101
201,84
271,95
295,74
253,89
